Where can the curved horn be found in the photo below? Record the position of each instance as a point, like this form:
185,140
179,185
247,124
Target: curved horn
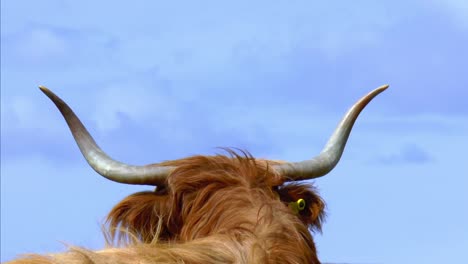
113,170
331,153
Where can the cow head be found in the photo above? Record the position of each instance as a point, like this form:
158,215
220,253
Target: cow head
227,207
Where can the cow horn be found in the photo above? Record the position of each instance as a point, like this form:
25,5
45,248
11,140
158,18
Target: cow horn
151,174
331,153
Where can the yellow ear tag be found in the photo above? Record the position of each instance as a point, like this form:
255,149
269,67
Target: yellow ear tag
297,206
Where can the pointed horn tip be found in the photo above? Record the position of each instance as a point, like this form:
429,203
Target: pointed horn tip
383,87
48,92
44,89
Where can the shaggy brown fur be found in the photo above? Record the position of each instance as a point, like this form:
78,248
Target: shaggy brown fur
214,209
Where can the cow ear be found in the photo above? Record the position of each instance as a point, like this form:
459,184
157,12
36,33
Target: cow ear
314,211
303,200
140,217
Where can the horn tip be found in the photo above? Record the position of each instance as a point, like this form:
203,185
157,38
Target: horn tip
43,88
383,87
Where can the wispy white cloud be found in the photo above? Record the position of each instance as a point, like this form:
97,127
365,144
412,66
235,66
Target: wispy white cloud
56,47
210,41
41,44
136,100
25,113
206,48
410,153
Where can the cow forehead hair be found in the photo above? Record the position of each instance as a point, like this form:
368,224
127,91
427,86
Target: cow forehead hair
236,167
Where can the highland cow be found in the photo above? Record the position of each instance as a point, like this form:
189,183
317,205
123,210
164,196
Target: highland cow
230,208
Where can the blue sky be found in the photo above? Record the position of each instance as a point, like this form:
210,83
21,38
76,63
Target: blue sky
157,80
